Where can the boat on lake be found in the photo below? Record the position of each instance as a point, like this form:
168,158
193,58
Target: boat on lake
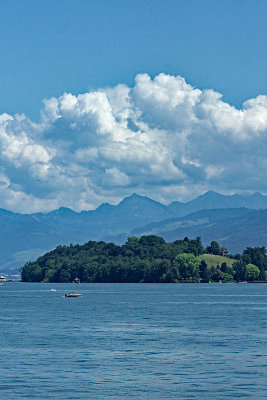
73,295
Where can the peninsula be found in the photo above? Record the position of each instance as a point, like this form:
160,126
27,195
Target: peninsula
147,259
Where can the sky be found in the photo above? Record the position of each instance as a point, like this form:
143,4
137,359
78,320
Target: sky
100,99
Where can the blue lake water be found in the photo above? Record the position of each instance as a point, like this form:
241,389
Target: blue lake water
133,341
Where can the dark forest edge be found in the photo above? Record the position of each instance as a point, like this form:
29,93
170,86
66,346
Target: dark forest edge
147,259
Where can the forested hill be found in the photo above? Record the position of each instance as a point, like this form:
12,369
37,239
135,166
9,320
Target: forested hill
24,237
148,259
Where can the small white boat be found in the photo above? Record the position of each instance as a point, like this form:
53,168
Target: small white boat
73,295
53,290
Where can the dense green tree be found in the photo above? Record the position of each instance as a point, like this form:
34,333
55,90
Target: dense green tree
214,248
188,267
252,272
228,277
258,257
239,268
223,267
32,272
216,275
203,271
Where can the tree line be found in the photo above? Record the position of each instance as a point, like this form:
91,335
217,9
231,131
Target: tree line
144,259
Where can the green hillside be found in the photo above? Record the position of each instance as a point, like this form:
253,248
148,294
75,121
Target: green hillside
212,259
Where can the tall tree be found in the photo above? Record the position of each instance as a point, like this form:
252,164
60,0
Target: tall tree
214,248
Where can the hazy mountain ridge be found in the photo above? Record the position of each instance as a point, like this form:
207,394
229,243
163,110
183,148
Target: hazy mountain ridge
234,228
214,200
25,236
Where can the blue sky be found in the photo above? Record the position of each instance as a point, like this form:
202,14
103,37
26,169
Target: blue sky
49,47
143,111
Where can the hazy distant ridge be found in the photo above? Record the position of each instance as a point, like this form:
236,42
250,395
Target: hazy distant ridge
25,236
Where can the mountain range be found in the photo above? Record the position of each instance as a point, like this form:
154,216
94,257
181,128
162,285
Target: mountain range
234,221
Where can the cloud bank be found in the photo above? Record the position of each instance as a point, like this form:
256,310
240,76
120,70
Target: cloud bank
162,138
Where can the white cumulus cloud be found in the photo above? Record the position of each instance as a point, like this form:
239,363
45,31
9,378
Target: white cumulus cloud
162,138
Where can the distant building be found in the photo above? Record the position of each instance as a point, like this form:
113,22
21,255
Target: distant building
223,251
76,280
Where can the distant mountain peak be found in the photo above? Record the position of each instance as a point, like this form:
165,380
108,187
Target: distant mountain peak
104,205
211,193
62,211
257,194
209,196
103,208
137,198
134,196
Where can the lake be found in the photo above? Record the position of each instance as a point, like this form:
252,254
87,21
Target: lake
133,341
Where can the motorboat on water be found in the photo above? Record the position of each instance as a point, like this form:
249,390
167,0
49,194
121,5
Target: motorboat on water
53,290
73,295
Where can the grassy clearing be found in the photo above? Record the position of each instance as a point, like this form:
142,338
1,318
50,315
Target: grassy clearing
211,259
